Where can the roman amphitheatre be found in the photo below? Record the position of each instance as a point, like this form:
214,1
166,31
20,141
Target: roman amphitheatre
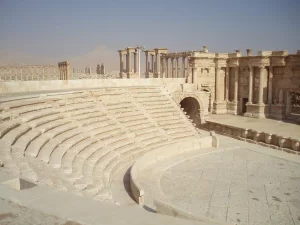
197,138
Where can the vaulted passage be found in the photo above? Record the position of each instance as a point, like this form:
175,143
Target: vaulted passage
192,108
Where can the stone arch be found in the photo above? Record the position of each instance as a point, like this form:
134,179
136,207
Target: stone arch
193,106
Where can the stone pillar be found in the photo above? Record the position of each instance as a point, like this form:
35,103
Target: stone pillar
187,70
280,97
152,63
176,73
157,64
288,103
250,85
162,66
67,70
270,84
166,67
121,64
261,87
172,67
190,75
217,84
128,64
135,62
183,67
195,76
147,65
236,84
227,84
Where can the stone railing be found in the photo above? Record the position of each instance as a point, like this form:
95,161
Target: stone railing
274,141
160,154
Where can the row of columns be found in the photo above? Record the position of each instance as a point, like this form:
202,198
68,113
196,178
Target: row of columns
250,92
27,72
64,70
172,69
127,68
261,87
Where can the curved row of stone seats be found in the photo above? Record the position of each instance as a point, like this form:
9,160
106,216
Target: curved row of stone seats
79,141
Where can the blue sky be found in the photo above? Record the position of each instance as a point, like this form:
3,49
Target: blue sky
40,31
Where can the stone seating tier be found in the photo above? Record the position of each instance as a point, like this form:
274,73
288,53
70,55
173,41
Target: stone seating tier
79,141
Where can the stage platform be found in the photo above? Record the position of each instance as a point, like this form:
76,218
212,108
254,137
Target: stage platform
281,128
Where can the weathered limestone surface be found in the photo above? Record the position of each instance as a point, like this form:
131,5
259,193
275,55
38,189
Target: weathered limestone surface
239,183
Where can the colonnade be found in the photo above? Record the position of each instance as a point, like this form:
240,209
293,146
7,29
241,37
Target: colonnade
64,70
172,68
23,73
125,69
154,63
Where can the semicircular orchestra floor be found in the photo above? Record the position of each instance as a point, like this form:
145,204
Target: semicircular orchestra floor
242,183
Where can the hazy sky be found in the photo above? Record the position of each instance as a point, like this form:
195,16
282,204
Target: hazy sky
91,31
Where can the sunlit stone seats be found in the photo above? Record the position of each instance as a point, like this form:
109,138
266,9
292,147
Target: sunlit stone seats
79,141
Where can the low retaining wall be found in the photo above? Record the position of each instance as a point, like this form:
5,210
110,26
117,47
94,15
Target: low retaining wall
164,153
50,85
274,141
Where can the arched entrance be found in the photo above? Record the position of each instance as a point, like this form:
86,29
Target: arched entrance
192,108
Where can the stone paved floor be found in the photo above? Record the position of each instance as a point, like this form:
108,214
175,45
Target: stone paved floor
282,128
13,214
238,185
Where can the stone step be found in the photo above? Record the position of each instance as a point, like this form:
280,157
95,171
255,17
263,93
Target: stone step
140,126
51,145
38,114
14,134
74,158
45,120
22,143
53,125
91,162
146,130
56,157
7,126
60,129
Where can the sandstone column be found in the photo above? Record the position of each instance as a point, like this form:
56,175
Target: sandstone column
270,91
147,65
167,67
68,70
121,64
152,63
236,85
250,85
194,75
280,97
162,67
183,67
176,68
217,84
227,84
135,62
172,67
190,75
157,64
261,87
128,63
288,103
